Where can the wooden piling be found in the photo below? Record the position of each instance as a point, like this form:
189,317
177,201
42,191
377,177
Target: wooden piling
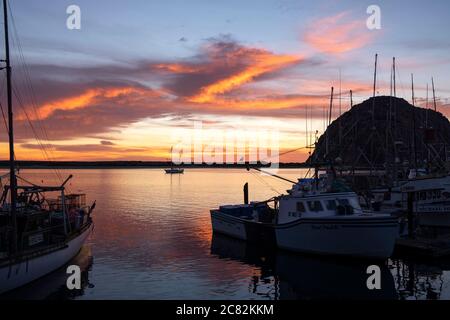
246,193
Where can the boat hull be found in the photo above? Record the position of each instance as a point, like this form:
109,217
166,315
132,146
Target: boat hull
241,228
363,238
21,273
174,171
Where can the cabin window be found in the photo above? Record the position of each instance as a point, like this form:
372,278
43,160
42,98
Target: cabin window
315,206
301,207
331,205
344,202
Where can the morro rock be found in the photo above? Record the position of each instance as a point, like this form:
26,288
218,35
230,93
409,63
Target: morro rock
384,130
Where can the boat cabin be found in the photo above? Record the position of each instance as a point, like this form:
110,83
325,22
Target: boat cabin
317,205
41,221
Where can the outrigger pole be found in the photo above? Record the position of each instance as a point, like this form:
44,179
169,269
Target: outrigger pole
271,174
13,181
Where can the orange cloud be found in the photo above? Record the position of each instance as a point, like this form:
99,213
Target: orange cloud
268,103
336,34
178,68
262,62
84,99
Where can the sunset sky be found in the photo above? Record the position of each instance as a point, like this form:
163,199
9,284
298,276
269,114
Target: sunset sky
138,71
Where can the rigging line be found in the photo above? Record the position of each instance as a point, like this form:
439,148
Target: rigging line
26,181
289,151
264,182
32,94
28,83
43,150
26,75
30,122
4,118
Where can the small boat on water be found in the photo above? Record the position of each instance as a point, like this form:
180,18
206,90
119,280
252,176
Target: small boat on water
41,227
173,169
320,216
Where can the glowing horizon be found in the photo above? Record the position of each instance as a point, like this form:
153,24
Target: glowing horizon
267,65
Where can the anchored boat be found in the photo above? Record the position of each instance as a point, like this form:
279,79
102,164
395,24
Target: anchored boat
173,169
41,227
320,216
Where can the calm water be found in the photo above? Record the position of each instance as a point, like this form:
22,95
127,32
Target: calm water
153,240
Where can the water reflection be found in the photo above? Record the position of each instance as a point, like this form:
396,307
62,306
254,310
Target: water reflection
152,240
304,277
416,280
53,286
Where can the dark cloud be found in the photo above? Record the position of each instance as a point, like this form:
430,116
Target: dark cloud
106,143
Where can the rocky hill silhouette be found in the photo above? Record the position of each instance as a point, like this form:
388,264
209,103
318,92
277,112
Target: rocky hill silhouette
359,139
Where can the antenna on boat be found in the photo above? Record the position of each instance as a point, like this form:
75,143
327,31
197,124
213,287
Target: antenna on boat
13,181
434,93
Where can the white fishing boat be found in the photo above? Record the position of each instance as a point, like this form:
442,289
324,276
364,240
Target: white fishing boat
41,227
319,216
327,220
431,198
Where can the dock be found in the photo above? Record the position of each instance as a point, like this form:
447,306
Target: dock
423,247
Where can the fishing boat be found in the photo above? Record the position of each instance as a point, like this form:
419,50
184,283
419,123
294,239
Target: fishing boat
431,198
326,218
173,169
318,215
252,222
41,227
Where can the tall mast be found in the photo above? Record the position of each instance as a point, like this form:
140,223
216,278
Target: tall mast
329,121
340,109
434,94
414,123
374,90
426,111
393,67
13,182
351,99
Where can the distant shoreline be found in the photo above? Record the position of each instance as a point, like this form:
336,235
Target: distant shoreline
135,165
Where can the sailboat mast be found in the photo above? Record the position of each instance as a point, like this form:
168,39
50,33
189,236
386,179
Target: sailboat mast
434,94
394,71
414,123
374,90
13,182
